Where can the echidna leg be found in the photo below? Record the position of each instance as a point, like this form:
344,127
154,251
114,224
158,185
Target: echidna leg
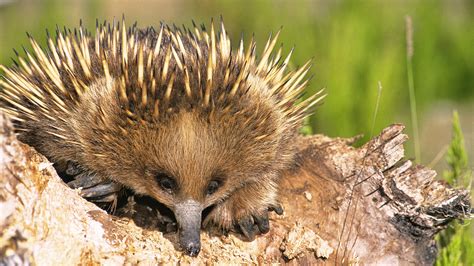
95,188
254,224
244,214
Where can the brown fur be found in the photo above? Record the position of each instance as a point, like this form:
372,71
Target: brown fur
113,113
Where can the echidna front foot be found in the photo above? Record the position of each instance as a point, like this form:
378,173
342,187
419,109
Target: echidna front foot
95,188
256,224
252,225
243,216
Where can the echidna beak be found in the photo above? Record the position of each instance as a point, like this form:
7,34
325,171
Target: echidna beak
188,216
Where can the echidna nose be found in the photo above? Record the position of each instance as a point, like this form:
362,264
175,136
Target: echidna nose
192,249
188,216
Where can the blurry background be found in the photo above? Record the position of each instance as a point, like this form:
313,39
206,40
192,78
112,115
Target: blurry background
355,44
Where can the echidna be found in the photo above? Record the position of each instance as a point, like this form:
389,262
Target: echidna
174,114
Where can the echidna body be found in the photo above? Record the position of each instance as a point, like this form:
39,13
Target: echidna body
173,114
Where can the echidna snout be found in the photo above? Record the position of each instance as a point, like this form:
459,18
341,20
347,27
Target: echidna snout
188,216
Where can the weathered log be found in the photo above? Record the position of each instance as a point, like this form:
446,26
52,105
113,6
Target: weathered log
342,205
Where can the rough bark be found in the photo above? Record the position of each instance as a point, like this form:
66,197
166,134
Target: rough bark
342,205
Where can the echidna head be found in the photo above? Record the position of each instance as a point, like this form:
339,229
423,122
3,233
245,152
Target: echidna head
193,161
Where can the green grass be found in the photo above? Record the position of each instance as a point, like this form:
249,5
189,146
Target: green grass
456,242
411,88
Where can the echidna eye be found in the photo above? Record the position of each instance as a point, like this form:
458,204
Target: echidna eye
212,187
166,182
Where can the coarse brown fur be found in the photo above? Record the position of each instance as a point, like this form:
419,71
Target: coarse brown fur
167,102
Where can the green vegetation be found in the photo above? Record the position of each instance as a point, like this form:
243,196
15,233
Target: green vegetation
456,242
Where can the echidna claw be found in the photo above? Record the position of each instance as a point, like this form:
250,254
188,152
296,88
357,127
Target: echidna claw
247,228
262,223
277,208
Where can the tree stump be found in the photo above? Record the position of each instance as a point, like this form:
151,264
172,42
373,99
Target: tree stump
343,205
